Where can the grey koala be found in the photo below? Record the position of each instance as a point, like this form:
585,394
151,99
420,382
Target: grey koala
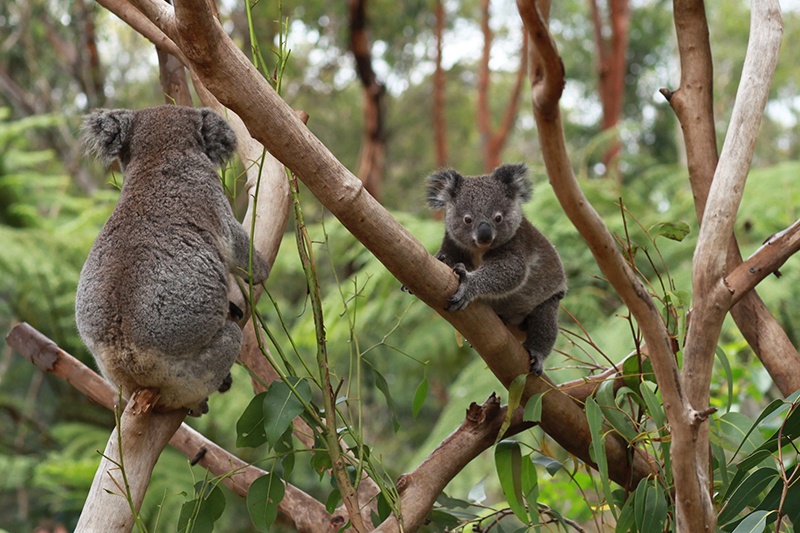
152,303
499,256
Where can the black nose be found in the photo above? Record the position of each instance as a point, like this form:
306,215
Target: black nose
484,233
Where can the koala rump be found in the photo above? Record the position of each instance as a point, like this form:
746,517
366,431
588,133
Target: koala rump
152,302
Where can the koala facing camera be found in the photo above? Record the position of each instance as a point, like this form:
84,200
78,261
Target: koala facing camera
499,256
152,303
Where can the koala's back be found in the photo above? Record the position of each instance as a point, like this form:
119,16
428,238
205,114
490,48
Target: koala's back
156,258
545,274
152,301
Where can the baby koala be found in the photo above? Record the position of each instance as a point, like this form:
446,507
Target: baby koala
152,303
500,258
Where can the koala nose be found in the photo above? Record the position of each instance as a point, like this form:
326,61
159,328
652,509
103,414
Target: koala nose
484,233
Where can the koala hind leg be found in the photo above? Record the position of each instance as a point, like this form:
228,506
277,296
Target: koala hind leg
209,370
541,329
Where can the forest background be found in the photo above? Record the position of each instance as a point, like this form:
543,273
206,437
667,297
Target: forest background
59,59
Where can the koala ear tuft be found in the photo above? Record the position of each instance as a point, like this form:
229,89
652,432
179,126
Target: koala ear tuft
218,137
516,178
105,133
442,187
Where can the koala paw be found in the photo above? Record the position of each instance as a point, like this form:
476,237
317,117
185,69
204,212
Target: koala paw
200,409
461,298
537,362
225,386
236,313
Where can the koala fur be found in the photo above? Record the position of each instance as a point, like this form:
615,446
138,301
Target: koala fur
152,303
499,256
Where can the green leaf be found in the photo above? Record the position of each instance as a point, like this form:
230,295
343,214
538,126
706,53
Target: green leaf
617,418
263,497
281,406
723,360
199,515
515,391
443,518
627,521
420,396
533,408
385,509
654,406
250,426
321,461
750,487
380,382
676,231
791,504
508,460
650,507
333,500
598,449
530,487
551,465
755,522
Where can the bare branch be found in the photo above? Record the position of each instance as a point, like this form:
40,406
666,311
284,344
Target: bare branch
766,260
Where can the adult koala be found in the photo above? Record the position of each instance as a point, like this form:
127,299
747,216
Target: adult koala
152,303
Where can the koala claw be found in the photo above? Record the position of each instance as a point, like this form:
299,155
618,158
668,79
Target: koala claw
236,313
537,363
460,299
225,386
461,270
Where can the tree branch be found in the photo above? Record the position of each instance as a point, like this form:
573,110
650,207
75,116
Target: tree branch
694,107
308,514
712,295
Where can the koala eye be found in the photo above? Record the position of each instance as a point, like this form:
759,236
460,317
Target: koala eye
498,218
467,219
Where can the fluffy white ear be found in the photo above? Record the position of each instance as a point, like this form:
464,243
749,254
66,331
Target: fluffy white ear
218,137
105,133
516,178
442,187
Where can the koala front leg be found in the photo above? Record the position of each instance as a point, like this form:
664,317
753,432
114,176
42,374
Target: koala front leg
240,248
498,276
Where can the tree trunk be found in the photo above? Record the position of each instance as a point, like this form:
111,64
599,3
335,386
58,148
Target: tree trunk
439,80
611,67
373,144
492,142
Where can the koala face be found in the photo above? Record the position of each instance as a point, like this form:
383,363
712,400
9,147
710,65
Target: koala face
482,212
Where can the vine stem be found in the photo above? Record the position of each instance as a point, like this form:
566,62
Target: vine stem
346,489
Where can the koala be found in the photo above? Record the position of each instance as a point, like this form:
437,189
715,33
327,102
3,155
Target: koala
152,303
499,256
